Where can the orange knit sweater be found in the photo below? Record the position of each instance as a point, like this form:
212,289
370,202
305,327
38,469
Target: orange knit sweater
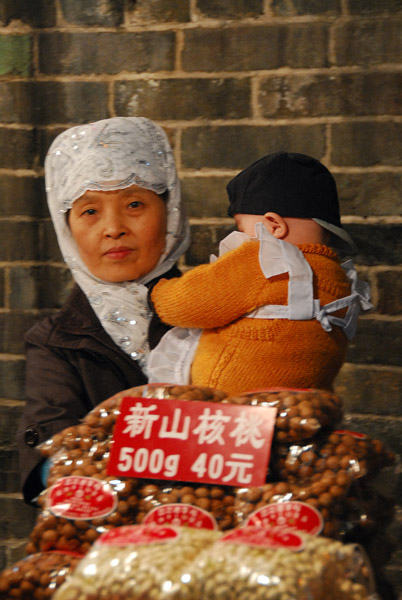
238,354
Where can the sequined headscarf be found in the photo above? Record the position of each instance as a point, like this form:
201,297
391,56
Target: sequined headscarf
114,154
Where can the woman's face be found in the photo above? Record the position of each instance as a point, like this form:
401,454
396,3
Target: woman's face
120,234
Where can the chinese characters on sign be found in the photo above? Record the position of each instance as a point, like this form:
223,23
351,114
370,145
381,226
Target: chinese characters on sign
192,441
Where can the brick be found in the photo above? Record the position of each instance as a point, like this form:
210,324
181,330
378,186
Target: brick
290,8
13,326
44,139
11,234
9,471
18,148
71,102
235,147
353,94
40,241
366,143
256,47
373,7
230,9
15,55
368,42
376,342
17,101
205,241
389,285
366,194
22,196
11,414
39,287
159,11
16,518
107,13
184,98
2,288
41,13
378,244
12,378
99,53
205,196
16,551
365,390
50,248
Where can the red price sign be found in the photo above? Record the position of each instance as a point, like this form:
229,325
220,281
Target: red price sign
192,441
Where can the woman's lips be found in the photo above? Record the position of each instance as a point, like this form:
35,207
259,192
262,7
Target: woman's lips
118,253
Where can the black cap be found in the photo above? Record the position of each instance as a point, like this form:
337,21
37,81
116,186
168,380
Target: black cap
291,185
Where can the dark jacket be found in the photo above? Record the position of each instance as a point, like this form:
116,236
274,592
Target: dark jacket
72,365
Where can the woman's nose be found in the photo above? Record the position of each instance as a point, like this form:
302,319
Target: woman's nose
115,233
115,227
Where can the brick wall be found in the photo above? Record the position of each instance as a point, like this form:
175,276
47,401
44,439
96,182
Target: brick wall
230,81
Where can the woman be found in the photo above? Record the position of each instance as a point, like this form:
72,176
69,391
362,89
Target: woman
114,199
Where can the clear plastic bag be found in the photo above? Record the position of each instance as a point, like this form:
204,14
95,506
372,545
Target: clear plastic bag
37,576
352,454
302,414
203,565
138,562
79,458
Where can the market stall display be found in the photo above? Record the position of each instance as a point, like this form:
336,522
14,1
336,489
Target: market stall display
164,562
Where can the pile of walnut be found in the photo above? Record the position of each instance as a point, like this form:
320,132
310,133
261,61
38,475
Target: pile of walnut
309,463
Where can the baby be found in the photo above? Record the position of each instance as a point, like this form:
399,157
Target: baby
277,308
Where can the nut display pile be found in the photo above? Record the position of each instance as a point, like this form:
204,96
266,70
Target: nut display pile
310,463
37,576
199,564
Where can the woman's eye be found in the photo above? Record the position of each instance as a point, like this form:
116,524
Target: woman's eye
135,204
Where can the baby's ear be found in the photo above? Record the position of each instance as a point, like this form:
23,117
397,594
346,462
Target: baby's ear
275,224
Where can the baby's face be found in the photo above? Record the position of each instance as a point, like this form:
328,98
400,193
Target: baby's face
246,223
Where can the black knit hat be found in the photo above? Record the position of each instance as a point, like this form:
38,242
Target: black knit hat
291,185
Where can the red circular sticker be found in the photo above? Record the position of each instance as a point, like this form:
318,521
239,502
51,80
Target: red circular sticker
292,515
81,498
181,515
266,538
138,534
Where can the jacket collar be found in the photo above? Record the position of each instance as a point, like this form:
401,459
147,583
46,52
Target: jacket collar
77,326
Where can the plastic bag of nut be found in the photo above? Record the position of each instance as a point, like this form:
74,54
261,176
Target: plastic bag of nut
82,501
183,564
343,452
38,576
302,414
253,562
138,562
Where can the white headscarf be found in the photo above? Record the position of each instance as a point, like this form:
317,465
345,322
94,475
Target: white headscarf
108,155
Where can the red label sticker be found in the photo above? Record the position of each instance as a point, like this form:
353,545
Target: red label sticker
181,515
224,444
265,538
81,498
138,534
292,515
